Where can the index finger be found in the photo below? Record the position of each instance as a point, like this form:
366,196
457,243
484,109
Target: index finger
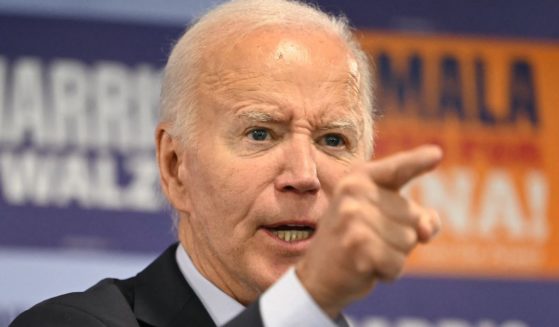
395,171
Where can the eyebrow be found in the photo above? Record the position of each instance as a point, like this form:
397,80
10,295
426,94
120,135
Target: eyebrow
344,123
258,116
264,117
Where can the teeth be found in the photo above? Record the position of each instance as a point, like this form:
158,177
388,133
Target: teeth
292,235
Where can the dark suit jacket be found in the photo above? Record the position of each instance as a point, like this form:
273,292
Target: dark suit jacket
157,296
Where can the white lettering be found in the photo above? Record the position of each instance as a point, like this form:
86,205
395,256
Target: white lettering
374,322
537,194
69,99
451,195
413,322
487,323
107,107
107,193
112,95
73,181
140,193
144,107
27,115
58,133
50,179
500,206
453,323
25,177
514,323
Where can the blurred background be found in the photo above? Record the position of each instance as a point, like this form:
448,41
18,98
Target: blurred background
79,85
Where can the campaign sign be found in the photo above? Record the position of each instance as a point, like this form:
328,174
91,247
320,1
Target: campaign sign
491,105
78,107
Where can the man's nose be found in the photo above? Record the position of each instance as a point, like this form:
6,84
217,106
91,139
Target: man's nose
299,169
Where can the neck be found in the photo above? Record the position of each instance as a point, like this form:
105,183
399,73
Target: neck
209,266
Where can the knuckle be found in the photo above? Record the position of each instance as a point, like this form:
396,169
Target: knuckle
345,186
365,258
390,266
356,238
350,185
410,239
364,266
349,210
399,175
392,171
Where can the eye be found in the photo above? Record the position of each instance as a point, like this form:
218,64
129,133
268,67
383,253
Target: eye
333,140
259,134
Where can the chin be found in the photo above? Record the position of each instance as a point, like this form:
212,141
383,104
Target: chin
269,274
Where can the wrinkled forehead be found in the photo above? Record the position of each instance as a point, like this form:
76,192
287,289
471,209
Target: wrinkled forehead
279,48
306,72
299,72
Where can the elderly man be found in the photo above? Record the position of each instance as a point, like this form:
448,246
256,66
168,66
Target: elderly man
263,148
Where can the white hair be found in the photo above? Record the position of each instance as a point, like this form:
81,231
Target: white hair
230,21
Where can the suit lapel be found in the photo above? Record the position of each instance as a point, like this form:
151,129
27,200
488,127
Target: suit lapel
163,298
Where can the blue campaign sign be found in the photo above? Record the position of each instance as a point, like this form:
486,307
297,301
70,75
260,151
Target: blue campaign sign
78,110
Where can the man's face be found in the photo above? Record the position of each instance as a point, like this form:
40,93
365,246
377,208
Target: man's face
278,124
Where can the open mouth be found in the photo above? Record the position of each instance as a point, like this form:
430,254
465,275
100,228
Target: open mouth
292,232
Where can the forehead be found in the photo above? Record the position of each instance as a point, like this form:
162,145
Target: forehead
272,50
285,67
292,45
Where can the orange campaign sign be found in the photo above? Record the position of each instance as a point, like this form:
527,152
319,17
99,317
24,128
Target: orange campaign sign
493,106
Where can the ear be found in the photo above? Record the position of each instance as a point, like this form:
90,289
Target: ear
169,155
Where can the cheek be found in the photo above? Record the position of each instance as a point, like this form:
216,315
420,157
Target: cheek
241,181
228,188
330,172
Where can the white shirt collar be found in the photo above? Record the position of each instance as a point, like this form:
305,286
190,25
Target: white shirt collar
219,305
